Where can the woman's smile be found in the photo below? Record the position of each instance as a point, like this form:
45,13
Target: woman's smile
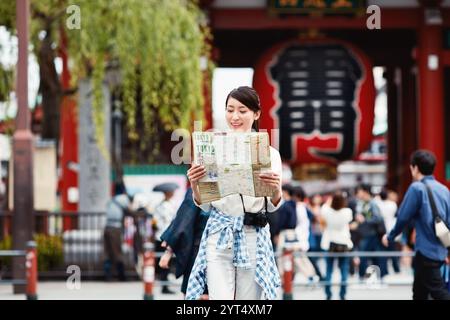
239,117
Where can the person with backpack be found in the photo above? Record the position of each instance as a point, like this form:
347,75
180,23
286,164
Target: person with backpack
371,228
417,207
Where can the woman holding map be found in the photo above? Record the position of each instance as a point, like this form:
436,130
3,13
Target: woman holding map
236,259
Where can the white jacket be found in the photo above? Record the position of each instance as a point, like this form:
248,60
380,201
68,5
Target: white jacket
337,227
302,228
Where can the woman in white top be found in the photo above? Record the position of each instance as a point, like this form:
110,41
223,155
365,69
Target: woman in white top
336,239
388,209
235,258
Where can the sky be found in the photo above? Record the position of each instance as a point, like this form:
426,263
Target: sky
8,57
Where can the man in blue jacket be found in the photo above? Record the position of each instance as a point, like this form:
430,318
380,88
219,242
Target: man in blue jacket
430,253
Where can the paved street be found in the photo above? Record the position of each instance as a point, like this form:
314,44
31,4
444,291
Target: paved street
92,290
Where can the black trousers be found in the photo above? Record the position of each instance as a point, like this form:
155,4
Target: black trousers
428,279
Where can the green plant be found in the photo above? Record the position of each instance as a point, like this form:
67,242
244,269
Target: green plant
6,244
50,251
6,79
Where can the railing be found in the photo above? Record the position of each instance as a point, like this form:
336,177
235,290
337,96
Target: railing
30,280
373,282
371,254
75,238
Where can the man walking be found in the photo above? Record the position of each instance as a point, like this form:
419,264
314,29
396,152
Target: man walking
430,253
116,209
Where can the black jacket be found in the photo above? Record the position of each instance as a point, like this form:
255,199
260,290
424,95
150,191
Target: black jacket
184,234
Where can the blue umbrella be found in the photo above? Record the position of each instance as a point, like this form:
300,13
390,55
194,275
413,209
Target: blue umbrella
166,187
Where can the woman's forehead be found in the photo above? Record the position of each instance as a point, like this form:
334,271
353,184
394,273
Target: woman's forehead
232,102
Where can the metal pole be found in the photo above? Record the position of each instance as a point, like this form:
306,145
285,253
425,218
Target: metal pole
148,272
117,132
288,274
32,271
22,152
117,147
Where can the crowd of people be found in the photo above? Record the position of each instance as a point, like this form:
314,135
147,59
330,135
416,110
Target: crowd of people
338,222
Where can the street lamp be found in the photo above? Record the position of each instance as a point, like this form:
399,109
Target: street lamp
113,79
117,125
22,152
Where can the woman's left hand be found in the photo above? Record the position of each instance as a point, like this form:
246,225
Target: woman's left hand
165,259
273,180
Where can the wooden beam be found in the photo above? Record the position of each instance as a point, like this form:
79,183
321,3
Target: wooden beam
251,19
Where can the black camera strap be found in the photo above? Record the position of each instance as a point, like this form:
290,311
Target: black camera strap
243,206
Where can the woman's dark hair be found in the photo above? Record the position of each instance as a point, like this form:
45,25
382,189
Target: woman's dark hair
288,188
383,194
119,188
299,193
248,97
364,187
338,201
424,160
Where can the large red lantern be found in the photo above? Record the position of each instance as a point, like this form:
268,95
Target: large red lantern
320,95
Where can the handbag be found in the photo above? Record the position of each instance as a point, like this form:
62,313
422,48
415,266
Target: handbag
441,229
338,247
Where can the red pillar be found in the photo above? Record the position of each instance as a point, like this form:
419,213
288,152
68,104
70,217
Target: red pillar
431,98
68,140
408,123
391,76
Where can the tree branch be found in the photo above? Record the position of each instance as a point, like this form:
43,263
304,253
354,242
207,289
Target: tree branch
48,19
70,91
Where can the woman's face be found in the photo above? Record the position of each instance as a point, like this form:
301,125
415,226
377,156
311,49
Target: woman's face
239,117
317,200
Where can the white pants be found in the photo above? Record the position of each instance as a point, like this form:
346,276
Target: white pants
225,281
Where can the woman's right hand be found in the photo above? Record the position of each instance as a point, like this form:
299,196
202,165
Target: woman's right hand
195,173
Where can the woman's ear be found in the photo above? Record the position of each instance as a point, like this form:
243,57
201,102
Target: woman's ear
257,115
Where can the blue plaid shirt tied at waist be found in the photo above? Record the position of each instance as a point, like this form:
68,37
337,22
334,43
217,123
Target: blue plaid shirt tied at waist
232,235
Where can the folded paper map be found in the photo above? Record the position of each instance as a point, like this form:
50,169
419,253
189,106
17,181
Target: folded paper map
233,162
